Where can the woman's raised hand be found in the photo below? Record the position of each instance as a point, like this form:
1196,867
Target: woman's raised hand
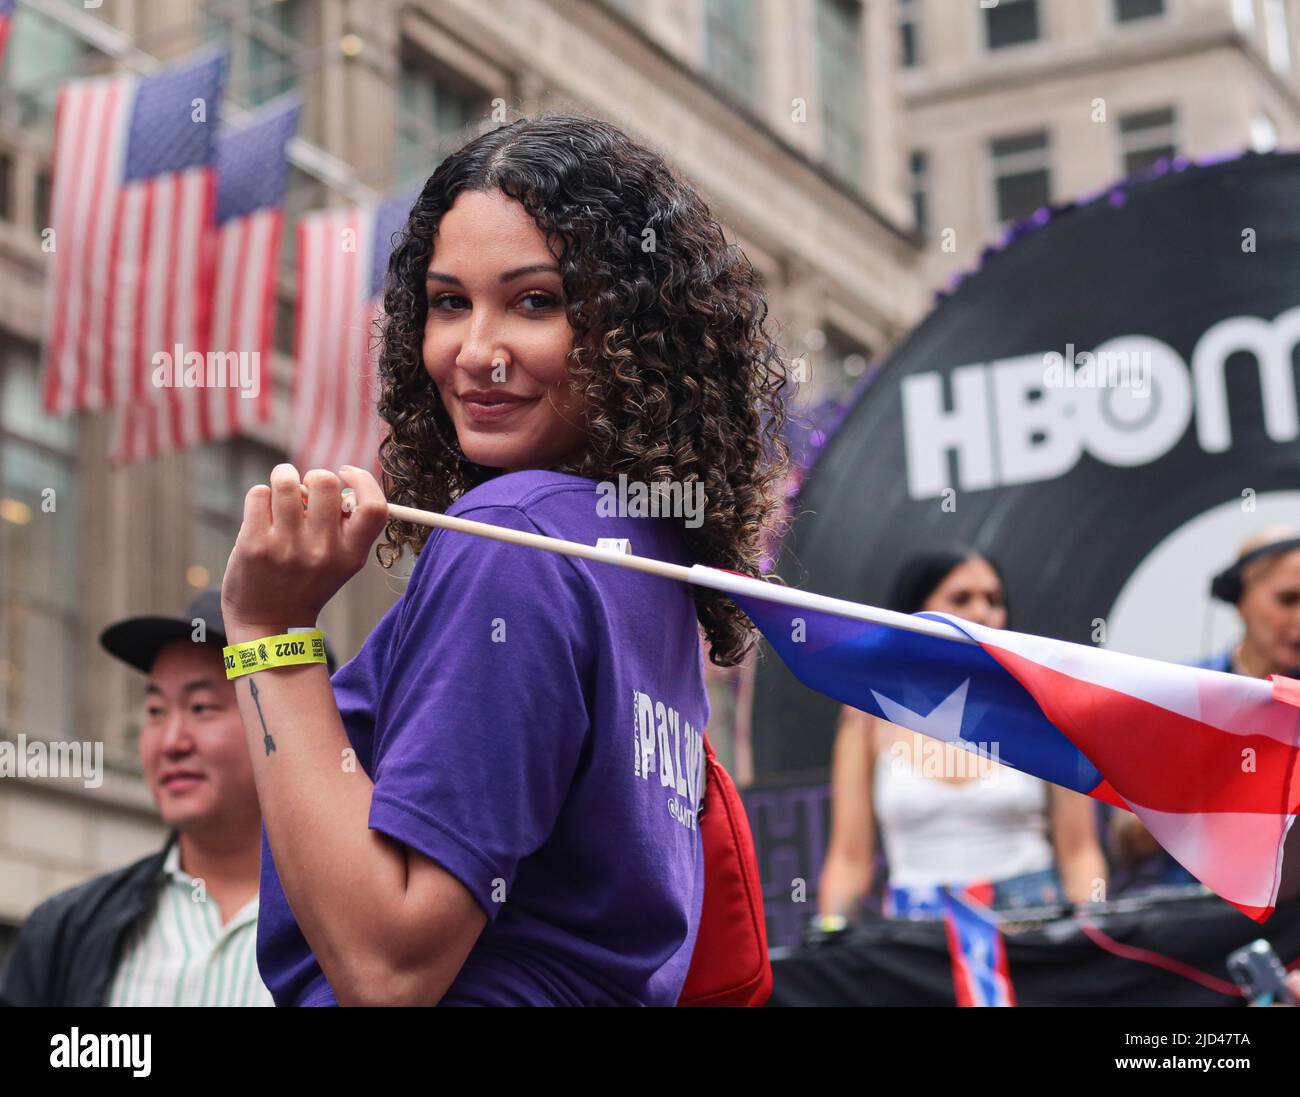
298,546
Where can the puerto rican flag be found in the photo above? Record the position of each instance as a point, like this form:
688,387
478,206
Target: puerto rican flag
980,975
342,262
1209,762
133,195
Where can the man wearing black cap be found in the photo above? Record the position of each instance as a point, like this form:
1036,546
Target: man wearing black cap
178,927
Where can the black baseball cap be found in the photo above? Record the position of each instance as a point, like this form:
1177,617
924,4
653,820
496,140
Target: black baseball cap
138,640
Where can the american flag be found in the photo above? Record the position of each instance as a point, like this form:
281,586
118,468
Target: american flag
342,260
134,189
242,249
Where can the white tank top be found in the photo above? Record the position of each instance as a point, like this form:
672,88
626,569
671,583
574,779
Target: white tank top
936,832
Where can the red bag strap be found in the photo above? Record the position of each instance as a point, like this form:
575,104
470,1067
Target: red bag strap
730,965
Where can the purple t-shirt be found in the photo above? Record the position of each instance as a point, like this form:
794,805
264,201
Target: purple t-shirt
534,724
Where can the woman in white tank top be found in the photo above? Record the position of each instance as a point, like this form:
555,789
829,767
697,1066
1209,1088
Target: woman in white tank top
946,817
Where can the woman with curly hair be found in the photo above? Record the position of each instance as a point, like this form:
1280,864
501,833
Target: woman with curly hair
496,803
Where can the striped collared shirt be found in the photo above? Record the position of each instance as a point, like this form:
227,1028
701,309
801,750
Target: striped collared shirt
180,954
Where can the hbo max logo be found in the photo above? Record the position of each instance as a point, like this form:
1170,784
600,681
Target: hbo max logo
1014,421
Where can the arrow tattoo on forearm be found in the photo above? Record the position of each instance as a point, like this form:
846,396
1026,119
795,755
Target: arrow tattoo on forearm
266,735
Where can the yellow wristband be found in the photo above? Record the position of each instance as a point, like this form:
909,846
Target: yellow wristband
286,650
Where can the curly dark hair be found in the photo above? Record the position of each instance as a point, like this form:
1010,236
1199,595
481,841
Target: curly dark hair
680,378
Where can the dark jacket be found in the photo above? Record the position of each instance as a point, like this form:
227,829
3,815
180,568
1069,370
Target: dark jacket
67,952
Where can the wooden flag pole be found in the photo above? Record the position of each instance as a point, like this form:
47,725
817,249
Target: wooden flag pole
724,581
537,540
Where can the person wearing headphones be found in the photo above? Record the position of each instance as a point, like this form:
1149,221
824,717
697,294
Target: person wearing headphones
1263,584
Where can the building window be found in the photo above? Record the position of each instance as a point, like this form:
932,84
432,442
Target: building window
38,555
6,187
264,39
221,474
909,33
286,319
1277,34
1011,23
1146,137
43,196
1022,178
435,113
730,54
919,176
41,55
1126,11
844,363
839,53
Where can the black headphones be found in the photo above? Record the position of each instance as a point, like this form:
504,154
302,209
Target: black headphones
1227,585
